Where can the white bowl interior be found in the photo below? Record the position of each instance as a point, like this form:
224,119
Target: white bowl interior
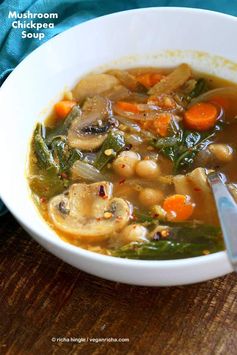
146,37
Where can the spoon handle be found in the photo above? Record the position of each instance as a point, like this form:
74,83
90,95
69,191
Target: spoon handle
227,212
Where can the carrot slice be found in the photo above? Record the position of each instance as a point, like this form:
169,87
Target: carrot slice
127,106
62,108
201,116
179,207
162,124
149,79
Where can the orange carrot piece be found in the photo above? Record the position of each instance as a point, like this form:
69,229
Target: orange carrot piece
149,79
62,108
201,116
127,106
162,124
147,125
179,207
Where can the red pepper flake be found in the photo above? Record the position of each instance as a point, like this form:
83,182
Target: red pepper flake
64,175
123,166
133,217
197,189
122,181
155,215
102,191
43,199
98,219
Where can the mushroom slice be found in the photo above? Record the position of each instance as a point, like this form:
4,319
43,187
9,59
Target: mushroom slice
89,211
77,139
83,134
94,84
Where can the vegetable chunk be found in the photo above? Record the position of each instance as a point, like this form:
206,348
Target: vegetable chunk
94,84
82,212
201,116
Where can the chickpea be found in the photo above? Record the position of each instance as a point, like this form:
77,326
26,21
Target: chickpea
222,152
134,233
149,197
147,169
125,163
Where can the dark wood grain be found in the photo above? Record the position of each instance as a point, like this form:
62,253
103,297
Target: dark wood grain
42,297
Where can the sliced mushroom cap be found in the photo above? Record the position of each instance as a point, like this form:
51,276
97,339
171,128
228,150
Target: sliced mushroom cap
88,211
84,142
81,134
94,84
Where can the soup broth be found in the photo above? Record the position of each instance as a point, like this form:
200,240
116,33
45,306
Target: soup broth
120,166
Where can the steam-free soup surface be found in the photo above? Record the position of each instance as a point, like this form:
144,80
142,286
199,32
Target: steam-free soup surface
120,167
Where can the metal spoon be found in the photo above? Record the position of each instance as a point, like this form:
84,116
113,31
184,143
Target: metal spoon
227,212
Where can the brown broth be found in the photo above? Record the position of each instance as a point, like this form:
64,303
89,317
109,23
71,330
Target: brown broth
129,188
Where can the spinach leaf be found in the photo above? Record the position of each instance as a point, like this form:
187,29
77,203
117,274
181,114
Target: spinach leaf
200,87
47,184
182,147
114,142
53,159
63,154
61,130
184,239
43,154
165,250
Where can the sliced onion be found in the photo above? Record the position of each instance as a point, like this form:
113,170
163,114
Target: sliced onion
133,126
173,81
143,116
89,157
228,113
138,97
125,79
118,92
148,107
220,92
133,139
86,171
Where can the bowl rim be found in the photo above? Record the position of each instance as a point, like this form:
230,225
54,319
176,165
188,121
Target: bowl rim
76,250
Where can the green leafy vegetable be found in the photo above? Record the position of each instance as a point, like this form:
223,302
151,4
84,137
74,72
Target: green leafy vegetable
190,231
183,147
47,184
53,160
199,88
114,141
166,142
64,155
184,240
43,154
165,250
61,130
194,233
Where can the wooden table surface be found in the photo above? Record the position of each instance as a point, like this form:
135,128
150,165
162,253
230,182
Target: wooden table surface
49,307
